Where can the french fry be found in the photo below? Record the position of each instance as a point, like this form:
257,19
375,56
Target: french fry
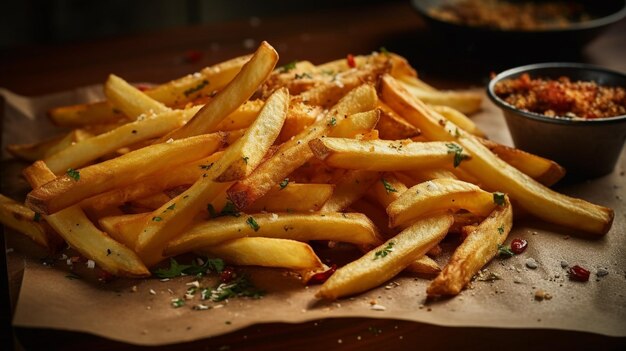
388,259
422,175
246,153
130,100
78,185
439,195
242,117
384,155
480,246
494,173
124,228
353,228
464,102
351,187
37,151
85,114
295,152
251,76
294,198
356,124
546,172
266,252
459,119
82,152
388,189
393,127
299,117
151,202
25,221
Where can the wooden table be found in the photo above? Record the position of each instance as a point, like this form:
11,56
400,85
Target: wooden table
318,37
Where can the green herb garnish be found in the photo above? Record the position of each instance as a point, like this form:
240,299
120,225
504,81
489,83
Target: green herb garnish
37,217
196,89
383,50
157,219
504,251
253,224
211,210
498,198
230,210
501,229
240,287
178,302
388,187
176,269
303,75
458,153
385,251
332,122
206,167
74,174
171,207
288,67
284,183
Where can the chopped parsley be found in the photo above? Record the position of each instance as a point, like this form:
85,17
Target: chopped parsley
288,67
385,251
458,153
72,276
504,251
108,252
284,183
303,75
206,167
498,198
230,210
178,302
74,174
171,207
501,229
211,210
245,159
157,219
456,132
383,50
253,224
388,187
37,217
332,122
176,269
197,88
240,287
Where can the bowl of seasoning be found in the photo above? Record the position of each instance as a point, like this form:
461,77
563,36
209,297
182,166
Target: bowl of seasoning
572,113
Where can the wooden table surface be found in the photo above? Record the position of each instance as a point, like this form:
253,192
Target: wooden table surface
318,37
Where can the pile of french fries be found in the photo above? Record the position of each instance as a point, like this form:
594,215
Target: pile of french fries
248,162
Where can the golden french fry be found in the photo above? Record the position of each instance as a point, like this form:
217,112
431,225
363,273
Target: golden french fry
80,153
25,221
242,117
440,195
464,101
358,123
384,155
85,114
459,119
266,252
393,127
494,173
124,228
299,117
37,151
293,197
388,259
78,185
295,152
170,219
151,202
388,189
351,187
240,89
480,246
130,100
353,228
546,172
422,175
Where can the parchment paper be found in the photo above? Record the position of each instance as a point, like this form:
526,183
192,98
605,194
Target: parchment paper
48,299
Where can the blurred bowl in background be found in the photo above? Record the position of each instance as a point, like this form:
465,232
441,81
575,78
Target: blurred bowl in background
573,36
587,148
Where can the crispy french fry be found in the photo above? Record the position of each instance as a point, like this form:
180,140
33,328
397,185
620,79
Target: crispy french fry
459,119
25,221
266,252
393,127
85,114
494,173
439,195
251,76
130,100
388,189
353,228
299,117
151,202
351,187
124,228
388,259
294,153
242,117
80,153
546,172
384,155
463,101
358,123
78,185
480,246
294,198
422,175
40,150
170,219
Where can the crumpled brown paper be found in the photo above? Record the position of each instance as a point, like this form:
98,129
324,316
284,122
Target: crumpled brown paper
49,299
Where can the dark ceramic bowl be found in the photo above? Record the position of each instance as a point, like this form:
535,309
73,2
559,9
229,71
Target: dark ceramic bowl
586,148
573,36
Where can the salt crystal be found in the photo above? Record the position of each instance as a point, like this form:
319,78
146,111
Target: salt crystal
378,307
91,264
531,263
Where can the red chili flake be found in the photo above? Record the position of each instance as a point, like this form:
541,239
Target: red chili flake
193,56
518,246
351,62
321,277
105,276
579,273
142,87
227,275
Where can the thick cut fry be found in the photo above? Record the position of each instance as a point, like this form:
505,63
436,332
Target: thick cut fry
351,187
388,259
459,119
290,197
23,220
80,153
248,152
38,151
78,185
239,90
151,202
242,117
295,152
353,228
546,172
124,228
384,155
266,252
480,246
393,127
388,189
358,123
130,100
424,265
422,175
85,114
171,219
439,195
464,101
299,117
496,174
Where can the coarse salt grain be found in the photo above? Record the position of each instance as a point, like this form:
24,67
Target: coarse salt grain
378,307
152,292
91,264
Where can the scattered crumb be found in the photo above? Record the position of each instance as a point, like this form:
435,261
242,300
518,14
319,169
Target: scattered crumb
540,295
531,263
564,264
152,292
517,280
377,307
601,272
134,288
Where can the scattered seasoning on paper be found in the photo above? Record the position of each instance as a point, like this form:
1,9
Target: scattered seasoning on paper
531,263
